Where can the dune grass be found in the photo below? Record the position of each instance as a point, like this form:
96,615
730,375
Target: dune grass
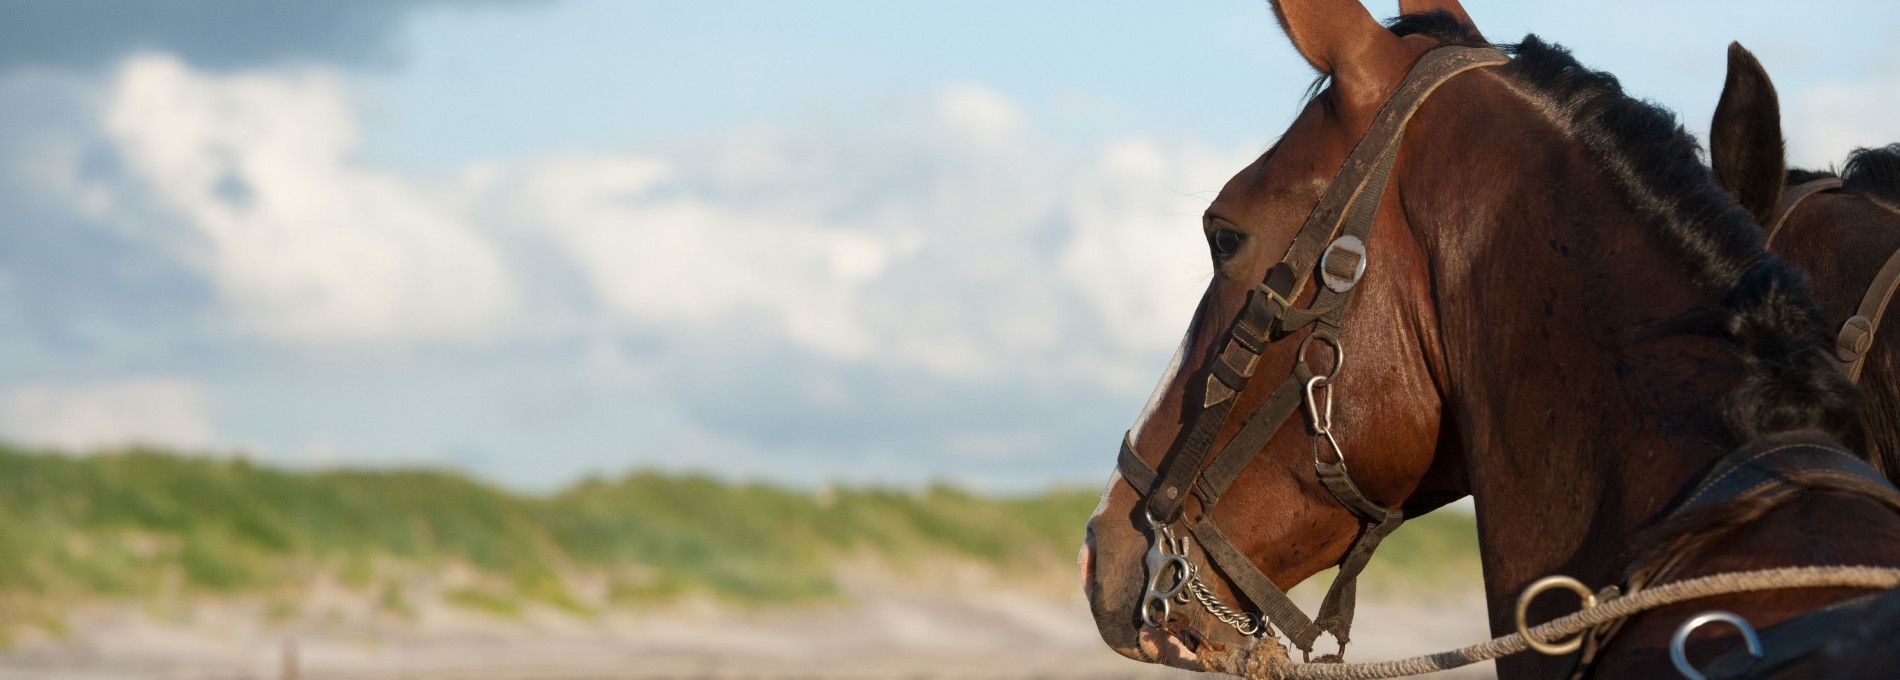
138,523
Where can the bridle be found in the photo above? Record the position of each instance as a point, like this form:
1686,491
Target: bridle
1332,243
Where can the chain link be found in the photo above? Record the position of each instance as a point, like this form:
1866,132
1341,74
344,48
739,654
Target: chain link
1249,624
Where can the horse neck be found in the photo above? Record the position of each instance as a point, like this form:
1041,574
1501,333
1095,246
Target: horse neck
1581,409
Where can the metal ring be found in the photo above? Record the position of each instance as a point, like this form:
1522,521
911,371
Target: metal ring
1148,609
1339,353
1678,652
1588,596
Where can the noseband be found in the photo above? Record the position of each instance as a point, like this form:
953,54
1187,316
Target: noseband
1333,242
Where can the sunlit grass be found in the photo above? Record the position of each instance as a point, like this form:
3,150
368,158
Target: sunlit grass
139,523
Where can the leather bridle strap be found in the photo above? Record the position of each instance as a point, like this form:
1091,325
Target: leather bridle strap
1856,336
1792,199
1348,208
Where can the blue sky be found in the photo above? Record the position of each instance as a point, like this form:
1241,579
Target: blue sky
797,241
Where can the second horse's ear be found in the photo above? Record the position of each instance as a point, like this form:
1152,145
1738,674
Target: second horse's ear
1745,143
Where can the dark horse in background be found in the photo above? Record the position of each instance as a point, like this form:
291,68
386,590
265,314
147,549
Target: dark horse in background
1562,315
1843,230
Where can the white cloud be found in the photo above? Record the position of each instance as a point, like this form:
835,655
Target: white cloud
932,277
163,411
305,245
1137,255
943,237
663,260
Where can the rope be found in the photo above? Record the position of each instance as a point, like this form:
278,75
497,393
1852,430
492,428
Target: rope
1876,578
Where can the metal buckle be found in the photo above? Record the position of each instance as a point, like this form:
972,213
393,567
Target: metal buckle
1273,296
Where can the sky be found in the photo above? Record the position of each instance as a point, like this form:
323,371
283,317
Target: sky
814,242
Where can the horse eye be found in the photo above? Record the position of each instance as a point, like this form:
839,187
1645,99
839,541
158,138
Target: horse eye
1225,242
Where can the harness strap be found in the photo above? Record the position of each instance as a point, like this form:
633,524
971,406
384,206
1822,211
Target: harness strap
1776,467
1775,462
1796,639
1253,437
1792,199
1132,467
1857,334
1336,610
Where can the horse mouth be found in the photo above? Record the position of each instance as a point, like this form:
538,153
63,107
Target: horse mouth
1178,646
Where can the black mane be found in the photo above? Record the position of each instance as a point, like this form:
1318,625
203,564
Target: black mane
1872,172
1875,172
1790,382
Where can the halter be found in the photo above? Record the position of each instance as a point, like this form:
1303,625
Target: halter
1333,240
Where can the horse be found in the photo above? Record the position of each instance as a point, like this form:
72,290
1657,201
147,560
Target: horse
1547,303
1844,230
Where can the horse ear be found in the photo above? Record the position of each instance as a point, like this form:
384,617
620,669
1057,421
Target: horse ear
1451,7
1745,139
1342,40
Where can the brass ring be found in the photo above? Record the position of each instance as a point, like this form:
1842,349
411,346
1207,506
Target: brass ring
1536,588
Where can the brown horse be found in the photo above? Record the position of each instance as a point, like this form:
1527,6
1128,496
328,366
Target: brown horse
1561,314
1842,230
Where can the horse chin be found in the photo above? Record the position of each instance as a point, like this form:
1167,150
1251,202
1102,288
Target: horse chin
1186,647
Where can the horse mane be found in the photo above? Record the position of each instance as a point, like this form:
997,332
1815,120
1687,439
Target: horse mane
1870,171
1788,381
1874,172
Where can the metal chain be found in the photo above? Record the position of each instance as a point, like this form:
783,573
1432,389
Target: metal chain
1248,623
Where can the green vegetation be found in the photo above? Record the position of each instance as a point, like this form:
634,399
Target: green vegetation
139,523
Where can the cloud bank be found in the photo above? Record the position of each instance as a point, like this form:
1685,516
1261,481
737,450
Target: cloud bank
924,287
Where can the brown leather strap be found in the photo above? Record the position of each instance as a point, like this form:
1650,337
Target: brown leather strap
1355,177
1857,334
1336,610
1792,198
1132,467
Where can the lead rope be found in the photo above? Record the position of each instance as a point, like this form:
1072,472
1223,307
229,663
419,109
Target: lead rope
1878,578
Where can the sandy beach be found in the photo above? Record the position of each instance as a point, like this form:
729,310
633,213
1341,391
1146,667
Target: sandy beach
965,624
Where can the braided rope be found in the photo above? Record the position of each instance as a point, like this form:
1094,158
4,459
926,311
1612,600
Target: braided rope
1876,578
